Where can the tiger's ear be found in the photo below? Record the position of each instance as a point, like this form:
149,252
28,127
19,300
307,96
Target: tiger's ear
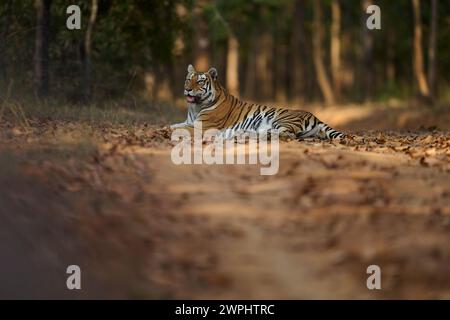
191,69
213,73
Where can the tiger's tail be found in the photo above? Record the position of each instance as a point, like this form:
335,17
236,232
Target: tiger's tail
326,132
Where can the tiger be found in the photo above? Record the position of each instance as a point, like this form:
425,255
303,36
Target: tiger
211,104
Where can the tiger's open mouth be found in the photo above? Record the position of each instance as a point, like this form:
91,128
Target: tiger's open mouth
191,99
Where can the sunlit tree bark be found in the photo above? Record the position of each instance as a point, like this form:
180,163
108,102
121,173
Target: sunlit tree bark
335,48
232,57
201,37
322,77
298,53
233,64
418,60
367,54
432,49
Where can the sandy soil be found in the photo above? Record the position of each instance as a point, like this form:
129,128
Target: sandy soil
109,198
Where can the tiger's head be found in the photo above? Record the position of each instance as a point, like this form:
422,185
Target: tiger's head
200,87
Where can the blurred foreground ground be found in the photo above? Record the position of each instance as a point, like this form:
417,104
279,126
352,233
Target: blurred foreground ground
108,198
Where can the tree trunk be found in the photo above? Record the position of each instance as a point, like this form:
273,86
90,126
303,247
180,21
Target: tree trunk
298,53
88,52
432,50
322,77
163,83
418,60
41,59
264,59
233,65
250,72
335,48
367,59
280,63
5,23
390,57
281,69
201,40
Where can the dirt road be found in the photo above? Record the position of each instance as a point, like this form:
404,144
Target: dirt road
110,200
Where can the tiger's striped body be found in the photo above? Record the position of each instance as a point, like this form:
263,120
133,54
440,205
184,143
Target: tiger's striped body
216,108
